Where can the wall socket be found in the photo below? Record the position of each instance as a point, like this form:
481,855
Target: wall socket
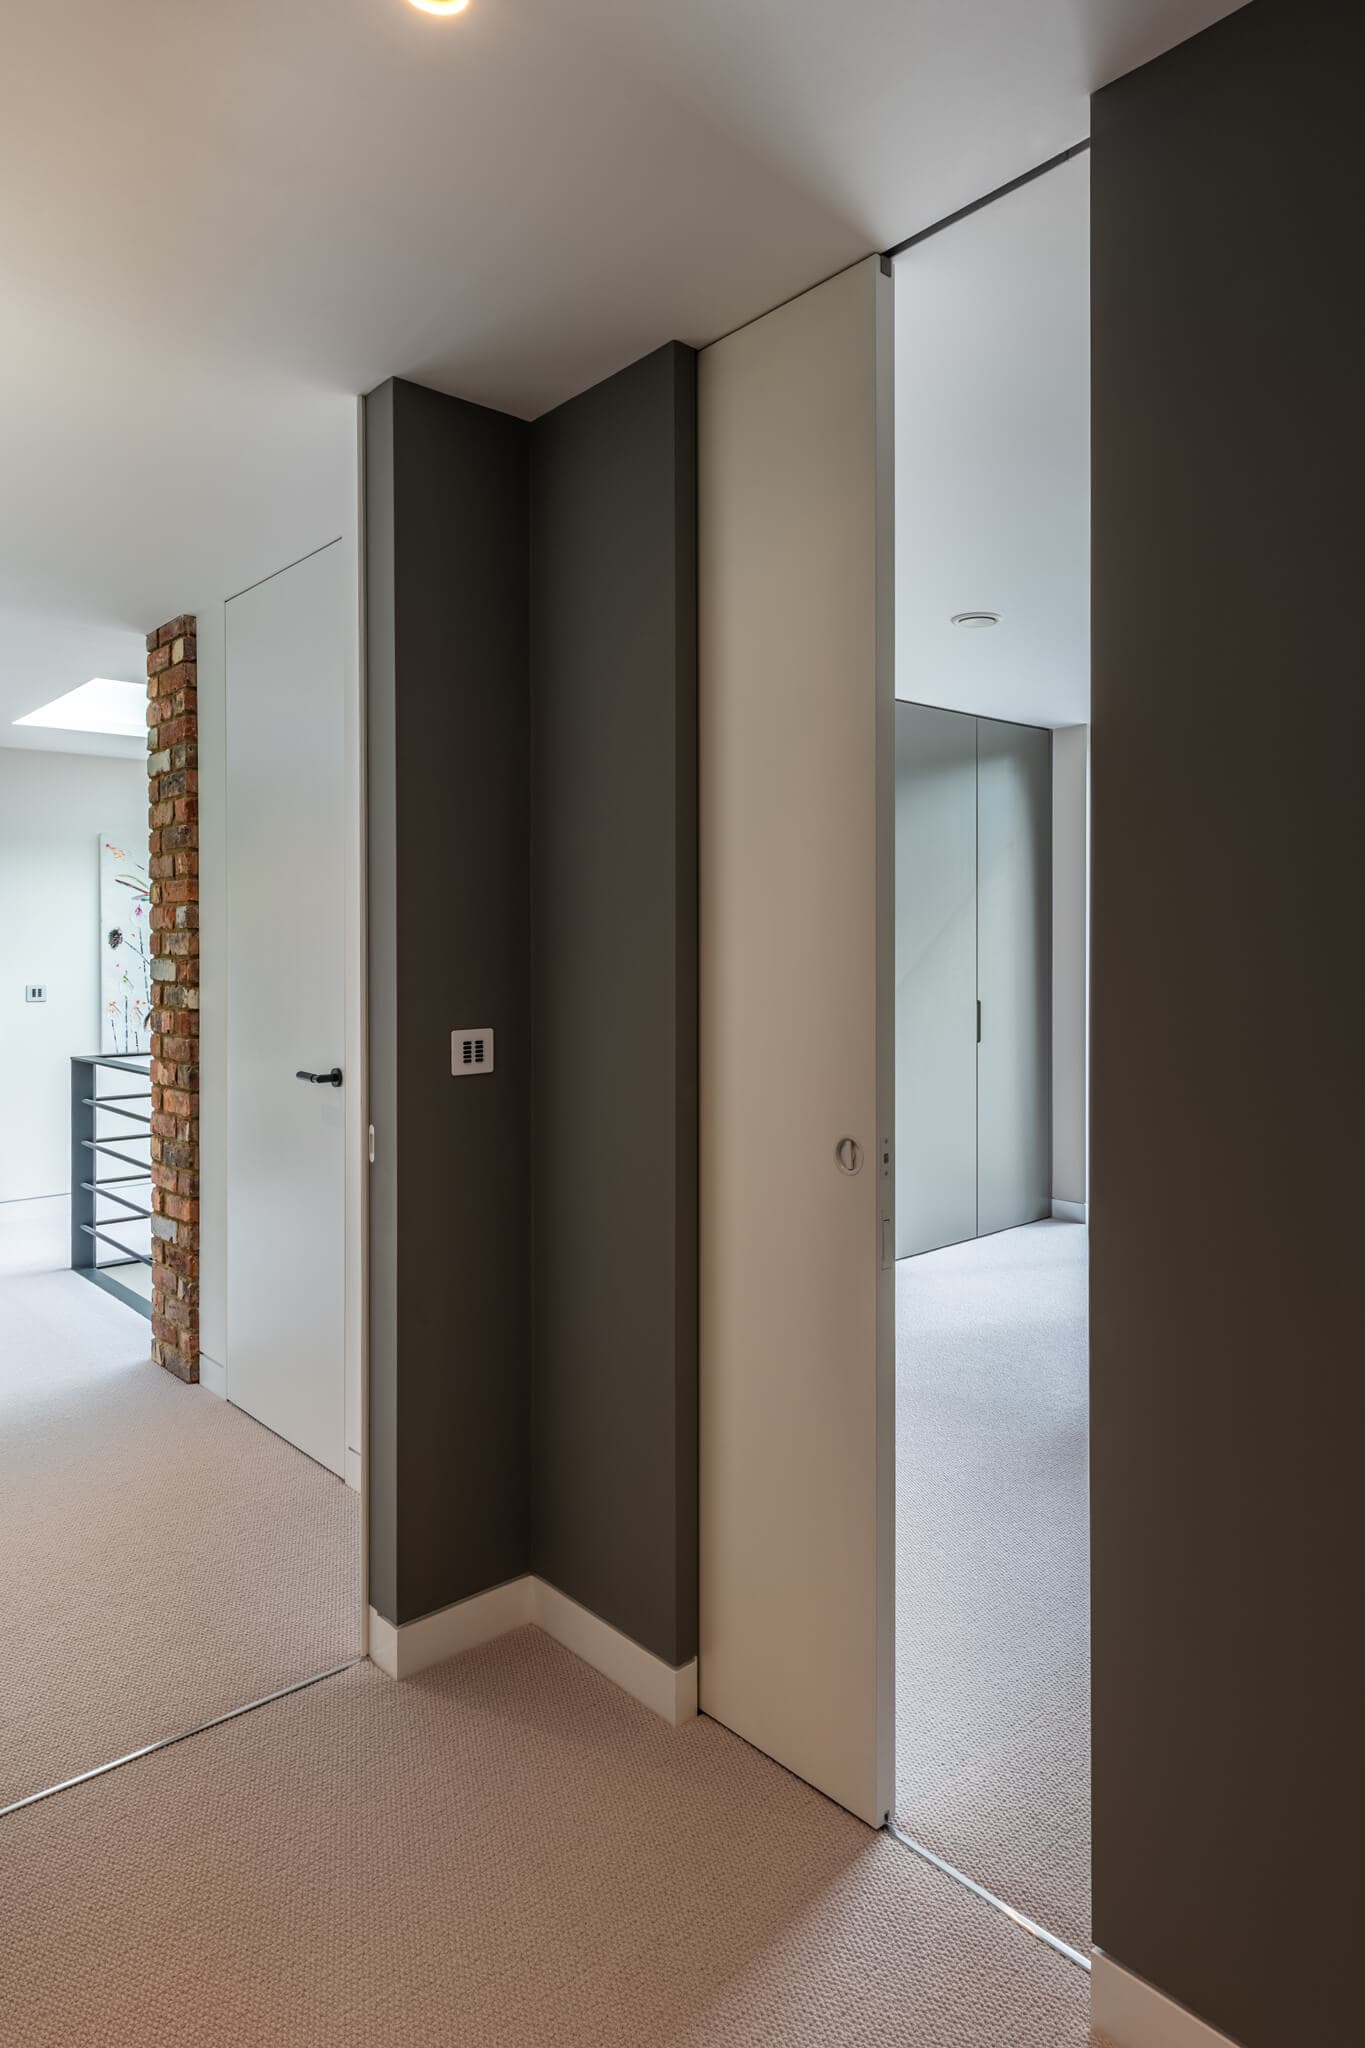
35,991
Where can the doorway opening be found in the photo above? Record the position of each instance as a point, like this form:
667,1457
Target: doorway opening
181,1509
992,717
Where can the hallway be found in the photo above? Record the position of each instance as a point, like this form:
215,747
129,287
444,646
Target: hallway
506,1851
992,1623
167,1559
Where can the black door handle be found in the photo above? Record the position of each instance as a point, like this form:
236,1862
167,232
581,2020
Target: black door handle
332,1079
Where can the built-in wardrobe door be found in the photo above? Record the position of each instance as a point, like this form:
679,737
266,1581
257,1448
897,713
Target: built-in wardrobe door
936,1141
1014,955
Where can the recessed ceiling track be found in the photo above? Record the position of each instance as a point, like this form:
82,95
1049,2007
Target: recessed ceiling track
987,199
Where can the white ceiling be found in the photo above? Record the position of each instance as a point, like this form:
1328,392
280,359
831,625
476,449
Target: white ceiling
993,457
218,224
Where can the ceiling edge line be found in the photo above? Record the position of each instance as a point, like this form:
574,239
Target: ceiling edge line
987,199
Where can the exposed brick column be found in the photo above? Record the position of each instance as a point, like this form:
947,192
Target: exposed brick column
173,770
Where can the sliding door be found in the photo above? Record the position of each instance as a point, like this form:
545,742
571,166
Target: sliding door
1014,912
796,800
935,978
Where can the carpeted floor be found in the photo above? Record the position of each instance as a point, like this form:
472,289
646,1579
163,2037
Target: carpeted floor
503,1853
992,1620
165,1557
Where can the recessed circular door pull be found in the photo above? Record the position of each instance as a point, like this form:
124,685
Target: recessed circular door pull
848,1155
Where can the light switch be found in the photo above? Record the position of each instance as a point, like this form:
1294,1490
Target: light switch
35,992
471,1051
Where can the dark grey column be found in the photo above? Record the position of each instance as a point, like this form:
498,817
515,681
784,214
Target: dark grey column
1229,407
84,1163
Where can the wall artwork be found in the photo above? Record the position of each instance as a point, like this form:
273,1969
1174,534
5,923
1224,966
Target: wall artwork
125,950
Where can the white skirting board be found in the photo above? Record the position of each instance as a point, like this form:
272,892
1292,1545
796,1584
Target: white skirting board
670,1692
1127,2012
1070,1212
212,1377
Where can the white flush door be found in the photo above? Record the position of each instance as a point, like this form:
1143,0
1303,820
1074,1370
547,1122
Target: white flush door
286,841
797,1268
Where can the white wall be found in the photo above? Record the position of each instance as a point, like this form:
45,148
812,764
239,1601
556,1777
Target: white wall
1070,961
993,457
53,808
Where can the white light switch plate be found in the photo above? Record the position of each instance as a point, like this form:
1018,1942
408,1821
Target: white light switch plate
35,992
471,1051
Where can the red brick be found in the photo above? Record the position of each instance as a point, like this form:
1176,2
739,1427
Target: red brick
173,844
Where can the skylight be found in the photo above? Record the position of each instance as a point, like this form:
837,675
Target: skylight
101,705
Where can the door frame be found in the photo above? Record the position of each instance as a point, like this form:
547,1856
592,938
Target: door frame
356,1037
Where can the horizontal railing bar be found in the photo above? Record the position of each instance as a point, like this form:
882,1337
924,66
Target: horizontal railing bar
133,1208
133,1258
98,1145
113,1180
133,1095
122,1063
134,1116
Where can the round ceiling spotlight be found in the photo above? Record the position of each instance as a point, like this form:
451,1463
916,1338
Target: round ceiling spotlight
441,6
976,618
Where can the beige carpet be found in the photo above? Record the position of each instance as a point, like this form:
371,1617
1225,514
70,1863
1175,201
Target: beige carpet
992,1620
165,1557
503,1853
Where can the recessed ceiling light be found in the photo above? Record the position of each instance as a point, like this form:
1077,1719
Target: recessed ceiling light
441,6
101,705
976,618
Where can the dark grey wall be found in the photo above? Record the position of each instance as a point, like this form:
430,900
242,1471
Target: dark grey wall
382,906
1227,1129
533,1370
614,694
447,510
